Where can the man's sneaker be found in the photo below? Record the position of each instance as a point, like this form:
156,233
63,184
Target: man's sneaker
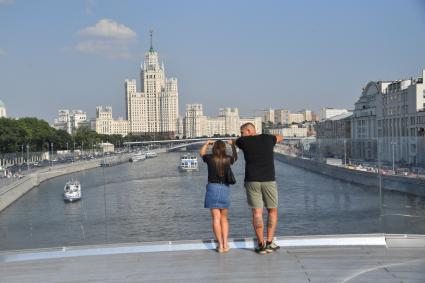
261,249
271,247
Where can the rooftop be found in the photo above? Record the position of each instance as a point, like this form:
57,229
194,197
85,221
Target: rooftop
340,116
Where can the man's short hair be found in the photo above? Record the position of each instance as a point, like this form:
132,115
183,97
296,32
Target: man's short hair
248,125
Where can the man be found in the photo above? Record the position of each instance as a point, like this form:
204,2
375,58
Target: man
260,184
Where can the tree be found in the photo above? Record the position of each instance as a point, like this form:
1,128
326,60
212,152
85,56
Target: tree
15,133
84,136
63,140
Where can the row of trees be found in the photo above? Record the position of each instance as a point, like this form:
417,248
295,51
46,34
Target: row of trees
16,134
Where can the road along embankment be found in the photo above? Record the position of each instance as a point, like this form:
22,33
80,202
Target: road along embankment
414,186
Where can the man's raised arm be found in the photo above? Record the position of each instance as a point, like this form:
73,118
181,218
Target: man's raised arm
279,138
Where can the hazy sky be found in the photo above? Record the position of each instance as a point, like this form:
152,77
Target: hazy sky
247,54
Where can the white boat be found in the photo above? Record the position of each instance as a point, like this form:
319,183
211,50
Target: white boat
3,172
188,162
151,154
72,191
138,156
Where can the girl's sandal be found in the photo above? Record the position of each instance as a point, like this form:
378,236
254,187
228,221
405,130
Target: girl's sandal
219,250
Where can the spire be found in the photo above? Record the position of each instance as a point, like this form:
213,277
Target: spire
151,49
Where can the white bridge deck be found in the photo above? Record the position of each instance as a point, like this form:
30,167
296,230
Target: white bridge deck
350,258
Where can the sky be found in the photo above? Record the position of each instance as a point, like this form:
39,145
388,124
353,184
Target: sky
57,54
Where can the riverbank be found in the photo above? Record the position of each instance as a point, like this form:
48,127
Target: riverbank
14,191
414,186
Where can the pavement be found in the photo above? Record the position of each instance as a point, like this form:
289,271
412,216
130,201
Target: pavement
334,258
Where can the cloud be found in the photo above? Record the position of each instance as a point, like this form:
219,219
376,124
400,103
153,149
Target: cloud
107,38
106,28
7,2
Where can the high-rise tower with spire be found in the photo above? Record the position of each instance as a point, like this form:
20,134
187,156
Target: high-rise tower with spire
155,108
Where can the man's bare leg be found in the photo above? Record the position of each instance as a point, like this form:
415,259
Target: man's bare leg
257,223
271,223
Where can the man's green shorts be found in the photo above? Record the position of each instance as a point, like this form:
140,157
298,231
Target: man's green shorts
262,194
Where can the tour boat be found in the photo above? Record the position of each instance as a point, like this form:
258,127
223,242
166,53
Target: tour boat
188,162
151,154
138,156
72,191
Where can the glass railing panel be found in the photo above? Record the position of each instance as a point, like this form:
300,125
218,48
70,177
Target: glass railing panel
333,186
348,186
402,183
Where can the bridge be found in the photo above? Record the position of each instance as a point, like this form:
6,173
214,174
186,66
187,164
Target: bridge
182,143
171,145
332,259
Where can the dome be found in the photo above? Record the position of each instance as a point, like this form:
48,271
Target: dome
2,104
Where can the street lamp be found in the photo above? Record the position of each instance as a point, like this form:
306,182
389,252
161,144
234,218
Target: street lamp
28,156
51,158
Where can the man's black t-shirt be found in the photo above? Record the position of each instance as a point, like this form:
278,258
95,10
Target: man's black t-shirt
258,152
213,176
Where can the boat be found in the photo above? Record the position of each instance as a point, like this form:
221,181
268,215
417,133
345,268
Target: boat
188,162
138,156
151,154
72,191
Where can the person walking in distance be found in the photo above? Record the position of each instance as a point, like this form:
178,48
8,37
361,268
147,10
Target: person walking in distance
260,182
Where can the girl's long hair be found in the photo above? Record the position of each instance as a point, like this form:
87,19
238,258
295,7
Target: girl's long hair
219,157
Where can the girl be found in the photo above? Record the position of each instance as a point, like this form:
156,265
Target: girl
217,197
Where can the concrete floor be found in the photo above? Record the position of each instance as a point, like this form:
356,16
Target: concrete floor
396,261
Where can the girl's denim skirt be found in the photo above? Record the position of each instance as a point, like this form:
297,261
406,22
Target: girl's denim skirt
217,196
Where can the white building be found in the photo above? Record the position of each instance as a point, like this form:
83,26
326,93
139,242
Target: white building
106,125
295,118
399,112
194,121
215,126
326,113
231,120
284,116
420,126
307,115
333,136
281,116
363,122
2,109
290,131
70,120
268,116
156,108
228,122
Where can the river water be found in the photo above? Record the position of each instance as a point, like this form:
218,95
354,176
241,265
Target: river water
152,201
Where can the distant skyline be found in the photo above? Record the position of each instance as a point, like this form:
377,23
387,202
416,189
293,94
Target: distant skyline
245,54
